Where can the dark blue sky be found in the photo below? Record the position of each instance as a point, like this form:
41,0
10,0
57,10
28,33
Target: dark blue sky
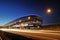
13,9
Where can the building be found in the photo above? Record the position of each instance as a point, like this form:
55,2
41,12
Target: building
26,22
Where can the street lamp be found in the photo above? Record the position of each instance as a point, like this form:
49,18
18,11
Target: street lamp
48,11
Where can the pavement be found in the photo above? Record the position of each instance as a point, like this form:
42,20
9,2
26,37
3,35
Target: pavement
35,34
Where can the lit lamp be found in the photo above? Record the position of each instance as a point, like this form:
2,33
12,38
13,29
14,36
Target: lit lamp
29,18
49,11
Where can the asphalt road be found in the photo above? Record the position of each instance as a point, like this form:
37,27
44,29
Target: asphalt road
32,34
10,36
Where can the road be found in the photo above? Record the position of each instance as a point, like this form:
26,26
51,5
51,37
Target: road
35,34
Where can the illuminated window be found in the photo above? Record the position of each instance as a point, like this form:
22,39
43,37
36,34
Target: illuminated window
37,21
19,20
24,24
29,18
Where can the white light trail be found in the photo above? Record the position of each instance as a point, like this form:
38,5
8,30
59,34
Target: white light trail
33,31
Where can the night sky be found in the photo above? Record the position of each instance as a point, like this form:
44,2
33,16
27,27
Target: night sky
13,9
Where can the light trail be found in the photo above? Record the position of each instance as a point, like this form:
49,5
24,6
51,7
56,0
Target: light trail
46,34
34,31
19,30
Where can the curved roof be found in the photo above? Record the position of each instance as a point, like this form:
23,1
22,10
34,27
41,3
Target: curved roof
22,17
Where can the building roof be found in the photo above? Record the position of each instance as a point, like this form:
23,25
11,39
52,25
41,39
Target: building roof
21,18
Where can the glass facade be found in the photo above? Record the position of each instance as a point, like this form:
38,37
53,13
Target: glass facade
28,22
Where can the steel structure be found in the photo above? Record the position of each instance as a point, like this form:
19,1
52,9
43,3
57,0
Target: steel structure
29,22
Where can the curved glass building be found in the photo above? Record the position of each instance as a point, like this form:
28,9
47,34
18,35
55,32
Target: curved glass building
26,22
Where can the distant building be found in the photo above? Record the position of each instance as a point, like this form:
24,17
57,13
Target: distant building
27,22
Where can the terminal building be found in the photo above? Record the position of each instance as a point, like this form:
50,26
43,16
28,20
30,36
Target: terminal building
26,22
